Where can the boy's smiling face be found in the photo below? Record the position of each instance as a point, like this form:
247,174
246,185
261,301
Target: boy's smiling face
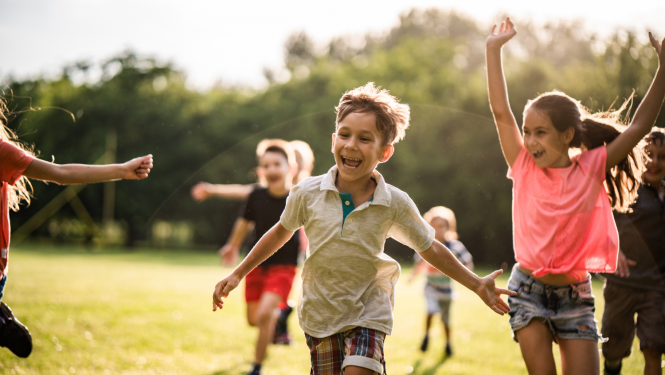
358,147
655,171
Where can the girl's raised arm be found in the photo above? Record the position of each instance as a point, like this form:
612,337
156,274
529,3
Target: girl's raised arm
65,174
509,133
645,116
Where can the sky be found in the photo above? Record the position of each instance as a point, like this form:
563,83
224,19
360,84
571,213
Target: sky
233,41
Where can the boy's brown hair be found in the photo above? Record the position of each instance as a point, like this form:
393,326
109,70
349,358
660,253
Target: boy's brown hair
392,117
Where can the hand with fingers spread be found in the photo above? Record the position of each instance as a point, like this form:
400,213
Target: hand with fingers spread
137,168
623,265
499,37
222,290
491,295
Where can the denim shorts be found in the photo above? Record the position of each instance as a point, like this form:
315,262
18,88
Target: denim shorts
567,310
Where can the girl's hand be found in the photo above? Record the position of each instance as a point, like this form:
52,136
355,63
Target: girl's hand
491,295
137,168
222,290
659,48
623,265
229,255
498,38
200,191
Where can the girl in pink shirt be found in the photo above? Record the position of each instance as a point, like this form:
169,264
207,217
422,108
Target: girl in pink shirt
562,209
17,164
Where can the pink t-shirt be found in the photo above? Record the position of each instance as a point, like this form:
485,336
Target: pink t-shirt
13,161
562,219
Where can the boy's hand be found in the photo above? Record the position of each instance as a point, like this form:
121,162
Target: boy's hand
498,38
200,191
658,46
622,265
137,168
229,255
222,290
491,295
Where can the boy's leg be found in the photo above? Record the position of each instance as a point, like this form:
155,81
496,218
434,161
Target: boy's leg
618,325
444,306
355,370
363,351
536,345
652,361
13,335
579,357
266,318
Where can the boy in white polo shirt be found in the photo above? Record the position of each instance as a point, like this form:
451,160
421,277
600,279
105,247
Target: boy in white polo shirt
348,283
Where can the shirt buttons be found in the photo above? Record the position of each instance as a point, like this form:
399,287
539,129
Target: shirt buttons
347,203
350,220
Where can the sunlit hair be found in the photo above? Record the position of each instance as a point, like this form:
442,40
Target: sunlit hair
448,215
392,117
304,158
657,136
19,192
277,145
595,130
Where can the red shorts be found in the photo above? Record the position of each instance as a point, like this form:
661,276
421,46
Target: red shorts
275,279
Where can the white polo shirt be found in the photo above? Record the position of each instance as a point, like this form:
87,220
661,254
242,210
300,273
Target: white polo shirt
347,280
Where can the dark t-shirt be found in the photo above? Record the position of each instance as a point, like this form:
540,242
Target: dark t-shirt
642,239
265,210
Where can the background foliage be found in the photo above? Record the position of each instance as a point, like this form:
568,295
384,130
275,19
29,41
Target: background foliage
433,60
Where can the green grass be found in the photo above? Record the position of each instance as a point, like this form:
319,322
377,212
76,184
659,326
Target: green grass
149,312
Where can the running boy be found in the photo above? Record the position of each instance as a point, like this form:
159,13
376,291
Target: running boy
269,284
438,291
348,283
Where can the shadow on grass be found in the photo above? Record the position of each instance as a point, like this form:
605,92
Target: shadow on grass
419,369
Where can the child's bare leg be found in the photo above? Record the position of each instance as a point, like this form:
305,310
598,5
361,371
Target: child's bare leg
251,313
428,323
579,357
536,345
446,331
266,318
355,370
652,361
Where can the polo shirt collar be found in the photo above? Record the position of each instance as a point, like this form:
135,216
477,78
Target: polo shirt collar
381,194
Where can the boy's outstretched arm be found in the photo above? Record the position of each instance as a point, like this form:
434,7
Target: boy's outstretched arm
509,134
440,257
204,190
272,241
64,174
645,116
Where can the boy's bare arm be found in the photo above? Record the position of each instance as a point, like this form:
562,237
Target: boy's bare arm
204,190
64,174
442,259
229,251
272,241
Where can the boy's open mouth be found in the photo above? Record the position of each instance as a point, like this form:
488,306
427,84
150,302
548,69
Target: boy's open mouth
351,163
274,178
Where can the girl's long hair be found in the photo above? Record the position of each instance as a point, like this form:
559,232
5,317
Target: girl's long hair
19,192
595,130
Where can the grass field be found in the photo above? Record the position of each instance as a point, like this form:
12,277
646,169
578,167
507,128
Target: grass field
150,312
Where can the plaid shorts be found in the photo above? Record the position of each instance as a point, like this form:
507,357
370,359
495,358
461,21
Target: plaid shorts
362,347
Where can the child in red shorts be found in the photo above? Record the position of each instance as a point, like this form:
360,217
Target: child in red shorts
269,284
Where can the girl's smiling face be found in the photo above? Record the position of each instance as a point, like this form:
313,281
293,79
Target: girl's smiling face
547,146
655,171
358,146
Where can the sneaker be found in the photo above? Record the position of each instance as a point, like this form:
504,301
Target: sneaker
612,370
281,336
449,350
14,335
423,346
256,370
